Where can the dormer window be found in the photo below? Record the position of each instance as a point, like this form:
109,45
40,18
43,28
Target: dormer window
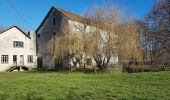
18,44
54,21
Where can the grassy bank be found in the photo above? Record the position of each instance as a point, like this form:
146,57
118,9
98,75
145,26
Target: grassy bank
77,86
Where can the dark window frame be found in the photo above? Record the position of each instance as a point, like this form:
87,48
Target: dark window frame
54,33
4,59
54,21
88,61
30,58
18,44
14,58
38,35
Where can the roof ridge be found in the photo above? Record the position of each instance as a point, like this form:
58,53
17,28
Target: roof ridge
63,10
70,15
15,27
5,29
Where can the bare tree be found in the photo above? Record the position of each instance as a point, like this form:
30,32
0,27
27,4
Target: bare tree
120,35
144,41
103,20
158,23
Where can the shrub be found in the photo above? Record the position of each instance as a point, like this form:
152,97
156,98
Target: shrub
144,68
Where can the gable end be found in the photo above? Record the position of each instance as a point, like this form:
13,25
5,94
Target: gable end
17,28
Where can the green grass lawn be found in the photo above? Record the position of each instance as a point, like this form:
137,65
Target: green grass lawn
80,86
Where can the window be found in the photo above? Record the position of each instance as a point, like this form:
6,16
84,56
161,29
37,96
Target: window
4,59
15,59
38,35
18,44
88,61
54,21
30,58
54,33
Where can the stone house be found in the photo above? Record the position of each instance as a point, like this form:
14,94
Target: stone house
17,48
51,25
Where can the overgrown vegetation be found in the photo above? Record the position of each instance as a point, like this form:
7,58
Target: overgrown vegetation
104,33
80,86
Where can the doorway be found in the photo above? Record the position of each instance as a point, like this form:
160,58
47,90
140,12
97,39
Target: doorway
15,60
21,60
39,62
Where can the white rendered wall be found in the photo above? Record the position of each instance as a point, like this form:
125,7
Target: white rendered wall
75,27
6,48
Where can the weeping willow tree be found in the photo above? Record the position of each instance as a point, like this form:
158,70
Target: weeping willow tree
66,44
103,19
113,35
129,44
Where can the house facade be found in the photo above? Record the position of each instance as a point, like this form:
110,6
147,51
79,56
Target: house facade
17,49
50,26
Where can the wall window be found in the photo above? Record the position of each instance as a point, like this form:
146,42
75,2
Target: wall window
54,21
4,59
30,58
14,59
54,33
88,61
18,44
38,35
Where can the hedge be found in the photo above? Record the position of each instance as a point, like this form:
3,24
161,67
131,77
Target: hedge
145,68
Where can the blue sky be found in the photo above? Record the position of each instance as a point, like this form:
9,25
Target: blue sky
28,14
